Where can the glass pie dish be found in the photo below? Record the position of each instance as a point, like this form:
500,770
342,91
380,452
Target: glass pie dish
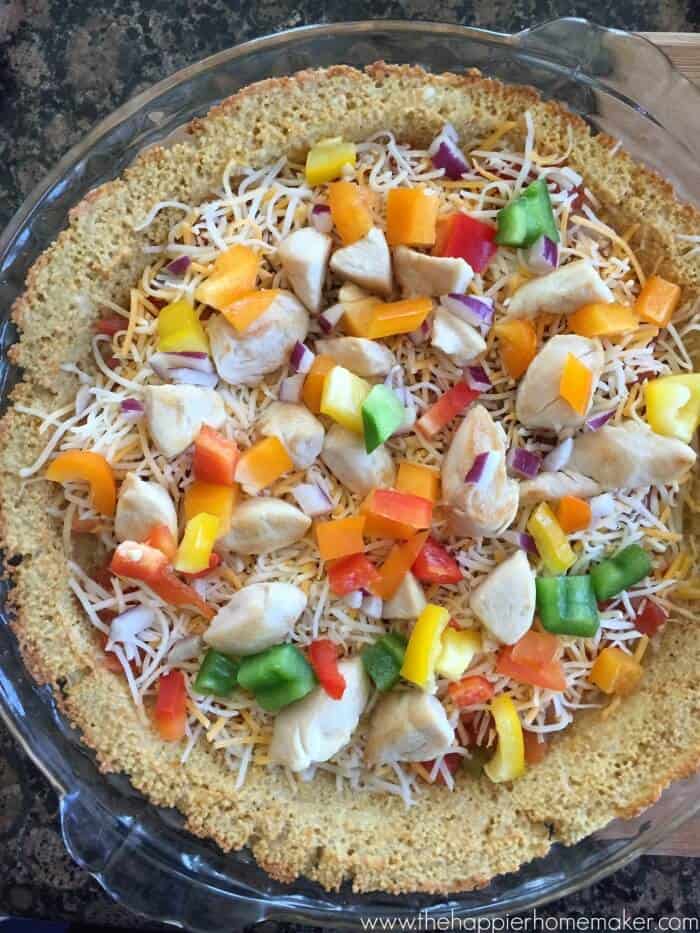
140,853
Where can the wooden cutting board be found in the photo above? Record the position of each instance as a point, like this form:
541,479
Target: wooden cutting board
683,48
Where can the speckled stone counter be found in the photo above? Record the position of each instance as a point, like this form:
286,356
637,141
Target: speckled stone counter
66,64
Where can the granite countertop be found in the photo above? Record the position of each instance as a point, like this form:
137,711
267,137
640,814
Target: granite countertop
66,64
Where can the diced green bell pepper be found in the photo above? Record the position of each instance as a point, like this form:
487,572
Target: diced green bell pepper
618,573
277,677
384,659
567,605
382,414
527,218
218,674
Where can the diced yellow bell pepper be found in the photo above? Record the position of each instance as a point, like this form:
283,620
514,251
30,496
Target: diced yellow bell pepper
550,539
234,274
457,653
657,301
262,464
197,543
673,405
326,159
374,319
244,311
615,672
603,320
342,398
213,499
180,330
419,480
508,761
424,646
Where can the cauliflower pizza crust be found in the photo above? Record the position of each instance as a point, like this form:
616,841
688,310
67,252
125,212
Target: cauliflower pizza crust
599,769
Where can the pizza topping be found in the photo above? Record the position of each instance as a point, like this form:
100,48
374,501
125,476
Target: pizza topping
175,415
505,602
420,274
299,431
561,292
255,618
345,456
262,525
409,726
366,262
366,358
304,257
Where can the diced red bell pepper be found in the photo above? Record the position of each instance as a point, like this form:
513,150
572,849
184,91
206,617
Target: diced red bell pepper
550,676
451,761
170,713
535,648
215,457
649,616
352,573
393,514
435,564
470,690
323,655
214,562
447,407
535,750
110,325
149,565
161,537
467,238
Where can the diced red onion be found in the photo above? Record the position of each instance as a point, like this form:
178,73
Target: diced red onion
597,421
131,409
475,311
477,378
602,506
542,256
447,155
418,337
482,469
525,463
193,377
321,218
558,458
372,606
312,500
522,540
330,317
354,599
291,388
302,358
163,363
129,624
178,266
185,649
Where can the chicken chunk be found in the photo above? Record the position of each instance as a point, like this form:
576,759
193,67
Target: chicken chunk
304,257
560,292
538,403
459,340
548,487
505,602
265,524
420,274
474,510
243,359
407,602
366,358
367,262
300,432
345,456
175,415
317,727
142,505
410,726
255,618
629,455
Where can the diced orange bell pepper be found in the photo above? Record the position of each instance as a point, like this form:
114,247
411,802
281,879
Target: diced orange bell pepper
312,392
86,466
211,498
384,319
233,275
358,315
535,648
393,514
411,217
576,384
215,457
263,463
170,712
149,565
657,301
602,320
398,563
419,480
573,514
351,216
616,672
549,675
518,345
244,311
161,537
340,537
